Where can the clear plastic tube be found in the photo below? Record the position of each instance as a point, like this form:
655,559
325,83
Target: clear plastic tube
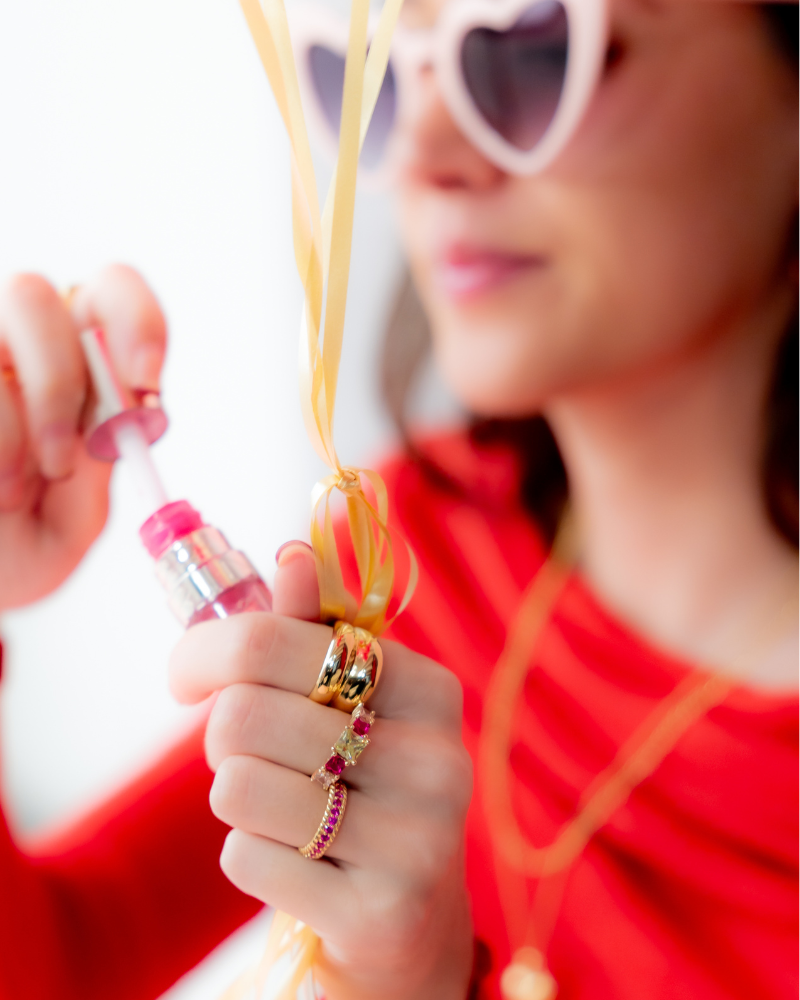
134,448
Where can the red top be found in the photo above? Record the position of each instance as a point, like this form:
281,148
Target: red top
689,891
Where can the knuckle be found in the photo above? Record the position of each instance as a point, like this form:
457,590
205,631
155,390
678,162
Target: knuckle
28,291
441,770
234,859
449,694
257,642
228,724
124,284
396,912
180,665
59,391
231,788
432,850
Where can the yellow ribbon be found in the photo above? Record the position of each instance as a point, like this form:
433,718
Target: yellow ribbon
322,245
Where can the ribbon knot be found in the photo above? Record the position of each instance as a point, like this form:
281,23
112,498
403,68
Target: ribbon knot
349,481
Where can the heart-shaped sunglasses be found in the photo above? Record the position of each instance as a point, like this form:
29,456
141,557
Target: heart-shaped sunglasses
516,75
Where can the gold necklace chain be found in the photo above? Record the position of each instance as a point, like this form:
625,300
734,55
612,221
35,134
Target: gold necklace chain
635,761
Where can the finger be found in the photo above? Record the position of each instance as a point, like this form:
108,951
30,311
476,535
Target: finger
75,509
281,877
258,647
271,801
295,592
265,648
251,720
401,762
42,341
277,725
119,300
12,447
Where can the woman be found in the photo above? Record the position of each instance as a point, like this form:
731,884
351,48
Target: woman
637,293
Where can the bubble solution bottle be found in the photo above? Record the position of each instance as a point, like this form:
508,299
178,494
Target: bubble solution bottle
203,576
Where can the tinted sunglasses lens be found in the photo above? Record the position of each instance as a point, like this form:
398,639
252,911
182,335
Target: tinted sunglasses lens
515,77
327,77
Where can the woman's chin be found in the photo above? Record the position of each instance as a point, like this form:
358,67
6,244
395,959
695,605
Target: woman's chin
491,391
492,371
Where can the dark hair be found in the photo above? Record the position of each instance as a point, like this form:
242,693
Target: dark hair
543,484
782,24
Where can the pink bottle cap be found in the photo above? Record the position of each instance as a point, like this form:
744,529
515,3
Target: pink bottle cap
170,523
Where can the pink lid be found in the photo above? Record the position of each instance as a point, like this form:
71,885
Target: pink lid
168,524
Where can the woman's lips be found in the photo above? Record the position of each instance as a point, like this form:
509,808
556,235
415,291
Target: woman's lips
465,274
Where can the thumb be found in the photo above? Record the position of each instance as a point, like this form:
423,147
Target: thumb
295,592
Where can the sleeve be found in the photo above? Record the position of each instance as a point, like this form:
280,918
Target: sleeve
127,899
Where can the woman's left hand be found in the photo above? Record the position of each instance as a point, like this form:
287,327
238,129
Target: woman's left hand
389,900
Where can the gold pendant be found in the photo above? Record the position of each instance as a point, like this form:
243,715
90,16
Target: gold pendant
527,978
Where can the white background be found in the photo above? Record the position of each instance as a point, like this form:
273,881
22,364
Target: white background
145,132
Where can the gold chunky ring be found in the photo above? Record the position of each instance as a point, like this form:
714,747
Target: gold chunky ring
329,827
337,662
362,677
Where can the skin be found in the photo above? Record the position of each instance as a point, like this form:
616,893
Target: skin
642,315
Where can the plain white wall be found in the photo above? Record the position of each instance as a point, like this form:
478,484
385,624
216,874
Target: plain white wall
145,132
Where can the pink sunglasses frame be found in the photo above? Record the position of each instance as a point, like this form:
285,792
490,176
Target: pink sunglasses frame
439,47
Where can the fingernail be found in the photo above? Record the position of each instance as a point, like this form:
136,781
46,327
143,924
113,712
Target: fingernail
146,367
57,444
291,550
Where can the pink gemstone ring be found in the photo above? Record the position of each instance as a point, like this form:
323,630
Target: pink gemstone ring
329,827
347,749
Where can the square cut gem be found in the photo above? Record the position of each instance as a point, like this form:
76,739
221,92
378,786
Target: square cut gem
324,778
362,720
360,727
335,764
359,712
350,746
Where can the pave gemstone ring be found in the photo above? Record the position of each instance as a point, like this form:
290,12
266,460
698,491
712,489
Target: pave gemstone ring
329,827
347,749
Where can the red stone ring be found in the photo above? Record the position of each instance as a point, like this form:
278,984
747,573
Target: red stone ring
347,749
329,827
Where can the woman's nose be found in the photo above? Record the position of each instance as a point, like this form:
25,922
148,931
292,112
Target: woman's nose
430,148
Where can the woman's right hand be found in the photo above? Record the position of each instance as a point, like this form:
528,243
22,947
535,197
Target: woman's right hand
53,496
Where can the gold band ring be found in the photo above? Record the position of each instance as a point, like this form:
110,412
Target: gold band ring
337,662
362,677
329,827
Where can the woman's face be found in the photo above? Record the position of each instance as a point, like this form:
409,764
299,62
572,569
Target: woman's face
666,216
